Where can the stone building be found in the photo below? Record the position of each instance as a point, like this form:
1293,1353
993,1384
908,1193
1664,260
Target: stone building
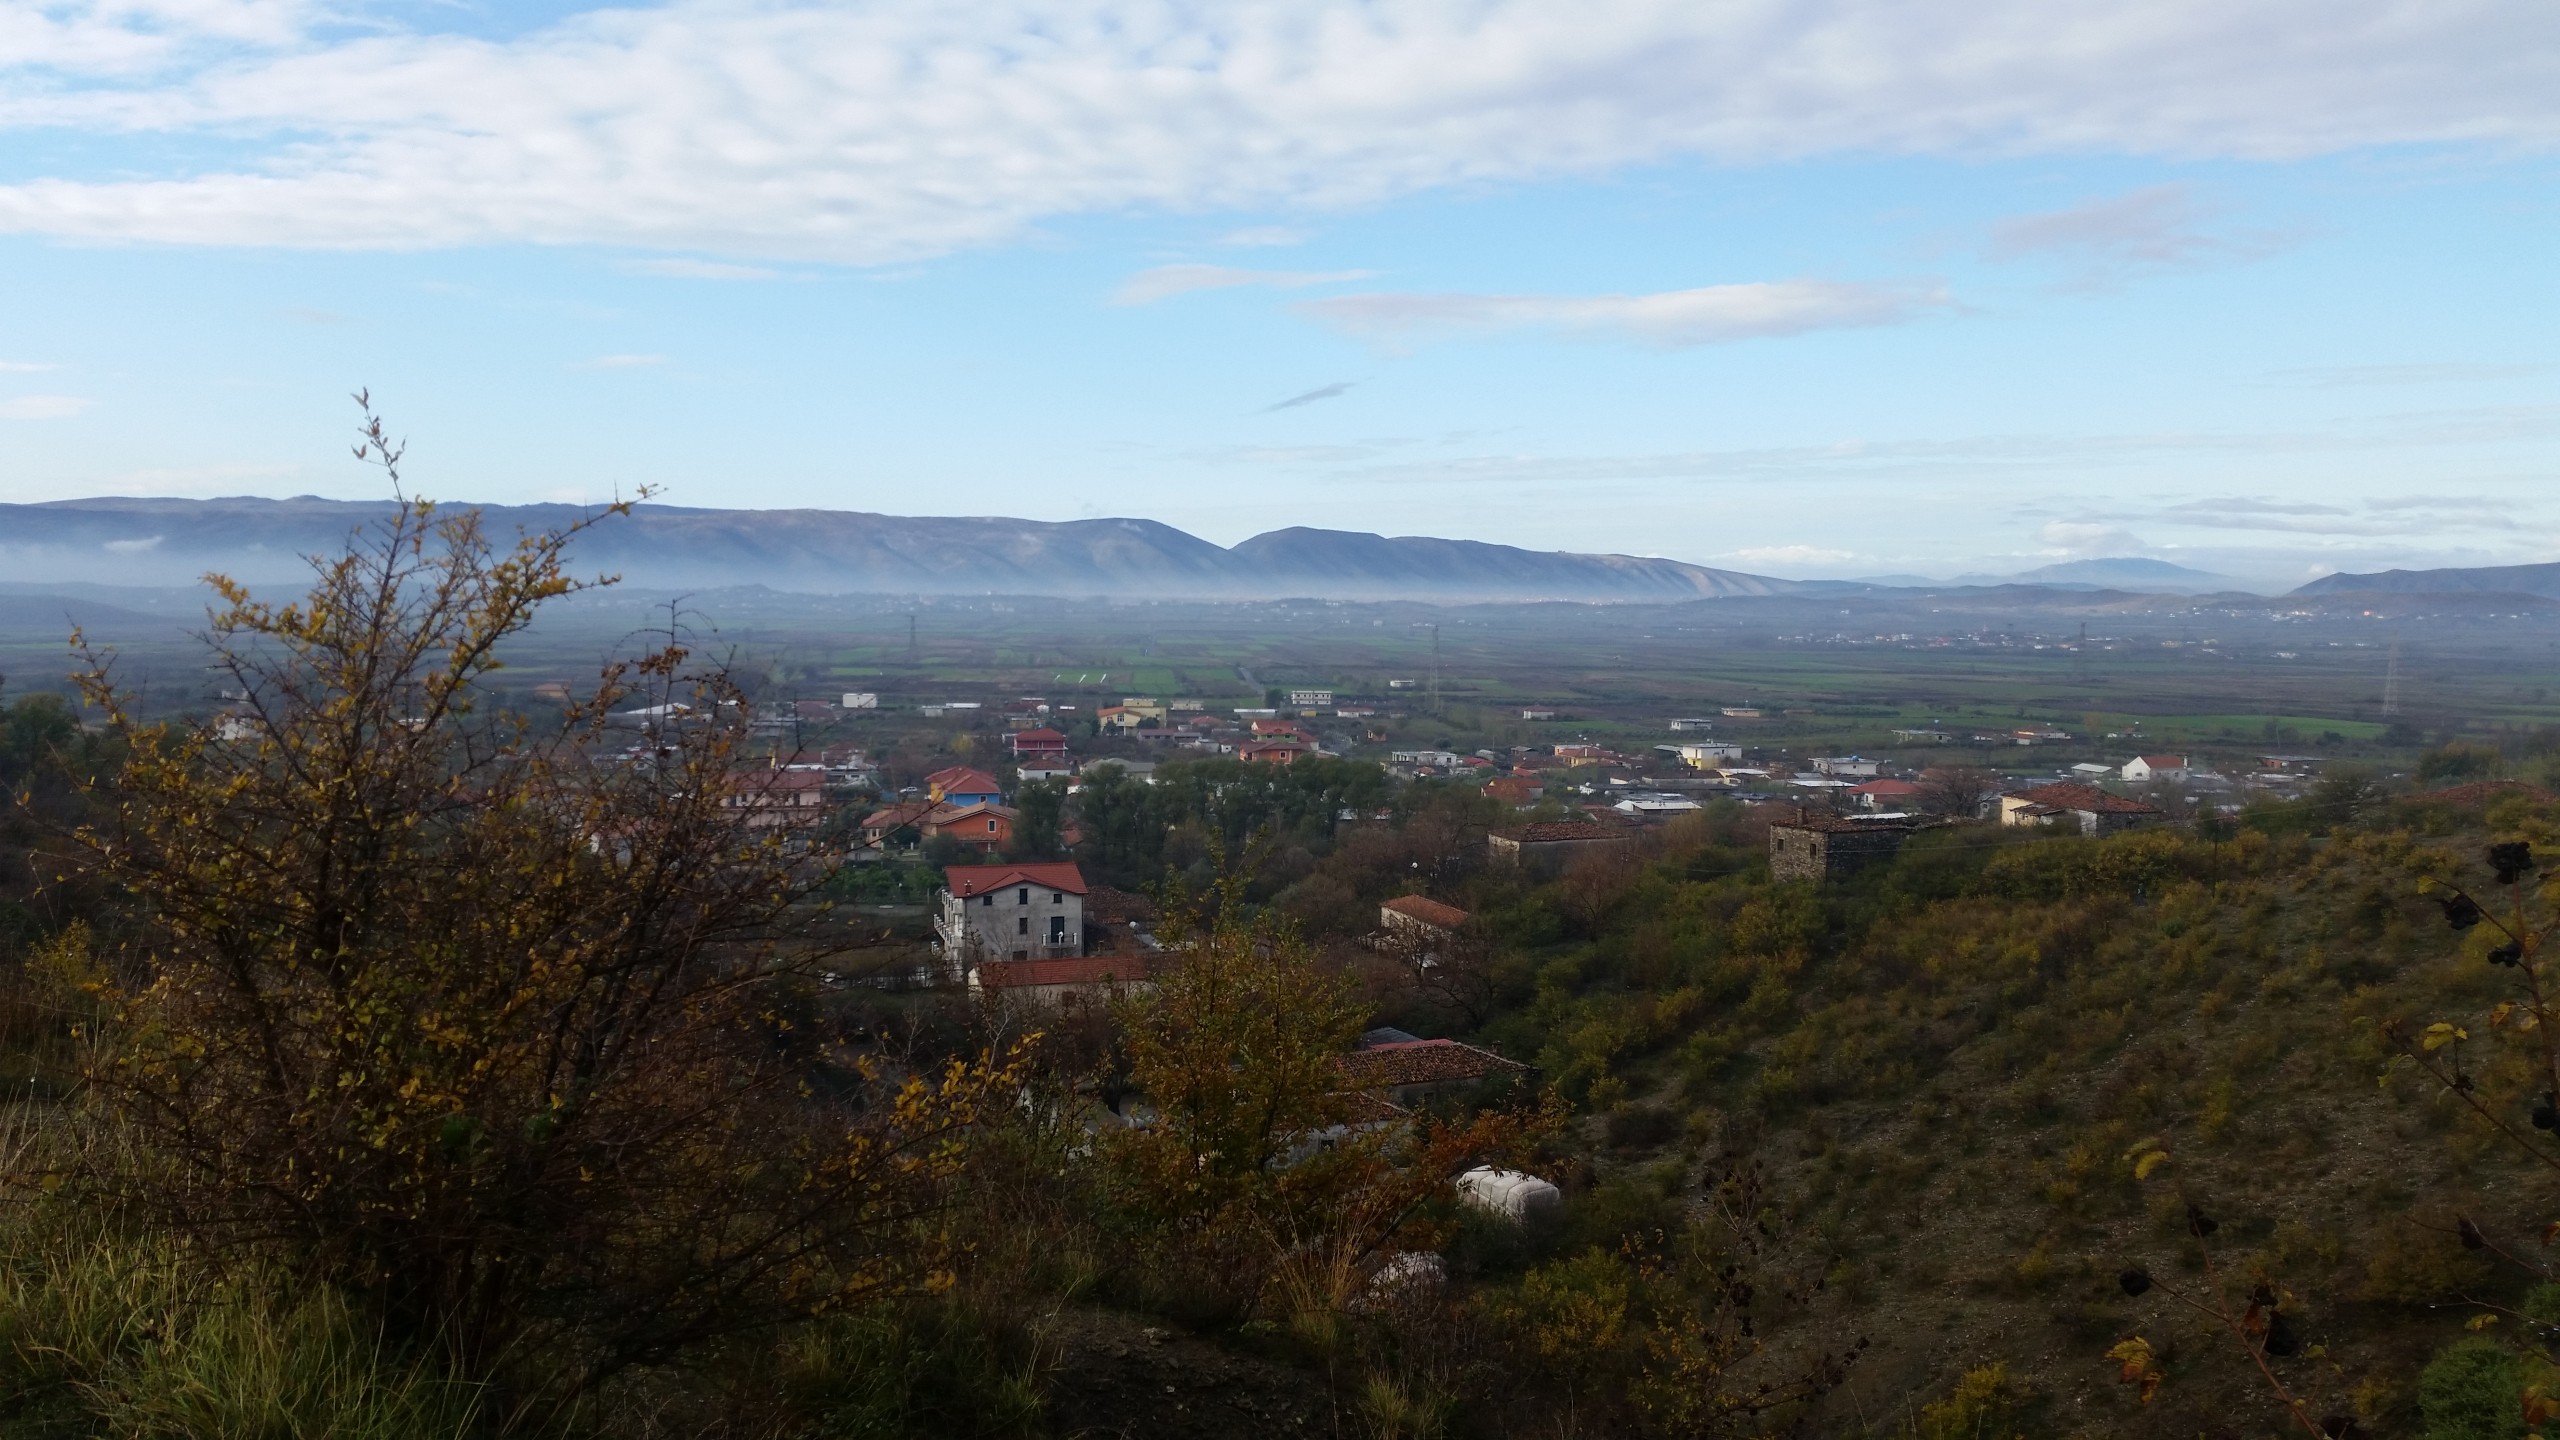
1826,847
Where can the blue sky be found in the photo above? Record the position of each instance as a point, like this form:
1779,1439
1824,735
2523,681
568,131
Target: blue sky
1810,289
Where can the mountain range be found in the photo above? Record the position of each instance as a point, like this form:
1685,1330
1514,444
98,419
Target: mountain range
151,541
164,541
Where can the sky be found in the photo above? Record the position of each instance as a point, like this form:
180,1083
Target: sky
1831,288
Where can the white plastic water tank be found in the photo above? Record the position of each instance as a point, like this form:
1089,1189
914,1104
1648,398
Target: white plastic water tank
1510,1192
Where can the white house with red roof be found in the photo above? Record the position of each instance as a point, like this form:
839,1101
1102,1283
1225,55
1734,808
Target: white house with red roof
994,913
1886,795
2148,769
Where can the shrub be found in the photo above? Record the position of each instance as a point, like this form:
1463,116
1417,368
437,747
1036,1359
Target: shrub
2472,1390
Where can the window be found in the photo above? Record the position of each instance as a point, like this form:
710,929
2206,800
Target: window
991,827
1021,896
1057,899
1022,926
988,900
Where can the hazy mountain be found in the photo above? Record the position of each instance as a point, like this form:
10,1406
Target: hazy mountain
2542,580
2135,573
160,541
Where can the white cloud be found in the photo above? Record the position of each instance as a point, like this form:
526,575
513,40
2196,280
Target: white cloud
620,362
701,270
1713,315
2081,538
135,547
2161,227
1166,281
24,367
793,129
43,407
1792,555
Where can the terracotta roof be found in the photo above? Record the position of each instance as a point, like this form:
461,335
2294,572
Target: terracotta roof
962,780
905,812
2165,762
1547,831
1104,905
1042,736
1067,970
1420,1062
2069,795
1885,787
968,881
1428,911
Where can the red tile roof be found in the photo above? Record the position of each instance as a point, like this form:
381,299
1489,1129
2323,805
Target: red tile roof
1895,788
1042,738
1428,911
1419,1062
969,881
1067,970
2165,762
2068,795
962,780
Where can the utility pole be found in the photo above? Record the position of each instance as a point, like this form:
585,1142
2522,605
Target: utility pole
2080,657
2391,682
911,637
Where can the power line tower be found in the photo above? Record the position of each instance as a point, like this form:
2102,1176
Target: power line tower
2391,682
911,637
2080,657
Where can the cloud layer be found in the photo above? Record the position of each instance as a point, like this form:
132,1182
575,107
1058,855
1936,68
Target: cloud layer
1711,315
905,127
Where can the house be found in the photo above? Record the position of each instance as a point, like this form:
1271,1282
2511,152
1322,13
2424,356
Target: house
1145,706
1403,684
1848,767
1655,805
1123,717
1273,752
2092,810
1582,752
1031,746
1517,791
1690,723
1143,771
1276,729
1066,982
1707,754
860,700
786,797
1537,712
2090,772
1011,912
812,712
1547,846
1035,771
1321,699
896,826
2152,769
1444,759
1416,919
1814,846
1740,712
980,826
1405,1072
962,785
1893,795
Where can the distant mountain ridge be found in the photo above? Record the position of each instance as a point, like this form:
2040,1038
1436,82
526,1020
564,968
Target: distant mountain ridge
168,541
2137,573
2542,580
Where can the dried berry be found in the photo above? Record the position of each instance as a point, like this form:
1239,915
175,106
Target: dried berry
2511,953
2460,911
2262,1294
2469,1233
2511,859
2199,1224
2135,1281
2546,1114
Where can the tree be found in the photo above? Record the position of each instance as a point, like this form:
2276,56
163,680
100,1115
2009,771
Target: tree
1958,791
483,1023
1260,1166
1040,819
